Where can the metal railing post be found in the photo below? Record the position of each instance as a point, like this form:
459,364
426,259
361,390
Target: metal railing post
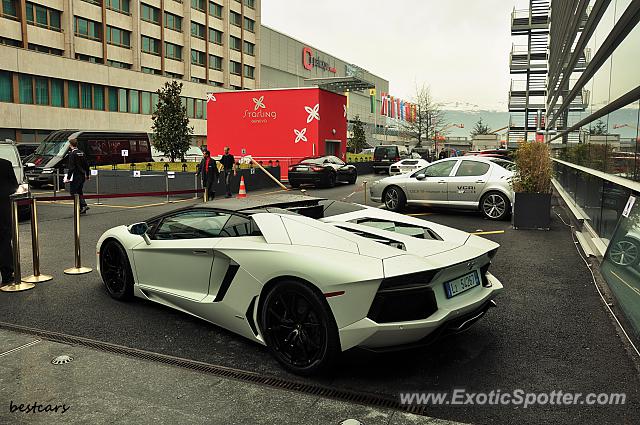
17,284
56,183
195,185
36,277
364,183
98,188
166,178
206,194
78,269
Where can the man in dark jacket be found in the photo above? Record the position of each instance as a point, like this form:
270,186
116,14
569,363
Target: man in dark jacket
78,172
208,168
229,167
8,186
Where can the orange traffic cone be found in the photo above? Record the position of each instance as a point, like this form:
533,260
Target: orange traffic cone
242,193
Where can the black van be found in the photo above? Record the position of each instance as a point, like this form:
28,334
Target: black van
385,155
100,148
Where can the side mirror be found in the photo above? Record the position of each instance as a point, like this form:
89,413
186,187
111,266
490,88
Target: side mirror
29,165
140,229
421,177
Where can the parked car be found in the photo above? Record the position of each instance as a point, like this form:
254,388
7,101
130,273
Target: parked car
322,171
407,166
462,182
494,153
9,151
385,155
307,277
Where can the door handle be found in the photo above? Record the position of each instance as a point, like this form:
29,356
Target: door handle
200,251
480,181
442,181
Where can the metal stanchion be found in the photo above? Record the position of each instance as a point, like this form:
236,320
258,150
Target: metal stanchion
78,269
98,188
166,178
364,183
56,183
195,185
36,277
206,194
17,285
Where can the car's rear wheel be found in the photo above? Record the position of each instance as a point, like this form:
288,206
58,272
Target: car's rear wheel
352,179
116,271
394,198
331,180
299,328
495,206
294,185
625,252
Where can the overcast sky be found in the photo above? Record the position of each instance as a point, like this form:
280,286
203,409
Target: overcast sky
460,48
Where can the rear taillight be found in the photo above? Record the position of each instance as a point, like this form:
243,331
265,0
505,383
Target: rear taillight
397,158
291,168
317,168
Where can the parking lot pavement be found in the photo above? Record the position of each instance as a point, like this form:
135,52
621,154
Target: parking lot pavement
549,332
102,388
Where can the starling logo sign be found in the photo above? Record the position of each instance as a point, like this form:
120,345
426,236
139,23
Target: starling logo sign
309,61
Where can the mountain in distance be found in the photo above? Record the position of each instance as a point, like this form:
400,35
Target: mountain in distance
494,119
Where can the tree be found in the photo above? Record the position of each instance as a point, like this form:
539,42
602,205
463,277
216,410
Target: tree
171,130
430,118
358,141
480,128
599,129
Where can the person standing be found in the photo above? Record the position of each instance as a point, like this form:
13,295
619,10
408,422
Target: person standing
229,167
77,174
8,186
209,170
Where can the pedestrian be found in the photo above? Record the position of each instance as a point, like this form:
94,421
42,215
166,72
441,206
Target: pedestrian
77,173
208,168
229,167
8,186
442,154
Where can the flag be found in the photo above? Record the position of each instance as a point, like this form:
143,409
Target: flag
392,104
372,97
382,103
402,110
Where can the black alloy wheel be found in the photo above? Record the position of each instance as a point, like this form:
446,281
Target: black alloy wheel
331,180
299,328
294,185
116,271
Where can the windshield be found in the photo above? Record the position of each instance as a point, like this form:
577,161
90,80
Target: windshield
52,148
8,152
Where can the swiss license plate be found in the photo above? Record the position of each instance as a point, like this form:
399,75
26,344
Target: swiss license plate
302,169
461,284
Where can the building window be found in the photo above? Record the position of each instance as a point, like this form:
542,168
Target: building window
150,45
198,57
235,18
118,37
121,6
116,64
149,13
9,9
200,5
216,83
249,71
86,99
151,71
74,94
57,92
96,2
122,100
215,10
235,67
173,22
198,80
172,75
236,88
198,30
88,58
251,4
26,89
42,91
249,48
172,51
155,98
45,49
6,87
113,99
215,62
249,24
235,43
191,106
43,16
98,98
10,42
215,36
145,102
87,29
134,106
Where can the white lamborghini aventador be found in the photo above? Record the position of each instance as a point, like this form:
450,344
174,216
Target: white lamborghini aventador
307,277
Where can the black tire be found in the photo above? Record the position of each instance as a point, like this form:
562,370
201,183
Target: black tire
299,328
36,185
353,178
294,185
331,179
116,271
394,198
625,252
495,206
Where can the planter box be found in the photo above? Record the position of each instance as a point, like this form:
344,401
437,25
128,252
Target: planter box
532,211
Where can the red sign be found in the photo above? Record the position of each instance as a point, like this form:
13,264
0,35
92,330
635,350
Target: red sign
277,124
309,61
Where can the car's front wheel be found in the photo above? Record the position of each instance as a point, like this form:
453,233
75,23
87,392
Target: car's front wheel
394,198
331,180
299,328
625,252
495,206
116,270
353,178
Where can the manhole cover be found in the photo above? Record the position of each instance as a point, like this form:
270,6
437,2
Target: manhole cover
64,359
351,422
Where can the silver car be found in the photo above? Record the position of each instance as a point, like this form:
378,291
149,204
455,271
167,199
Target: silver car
462,182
